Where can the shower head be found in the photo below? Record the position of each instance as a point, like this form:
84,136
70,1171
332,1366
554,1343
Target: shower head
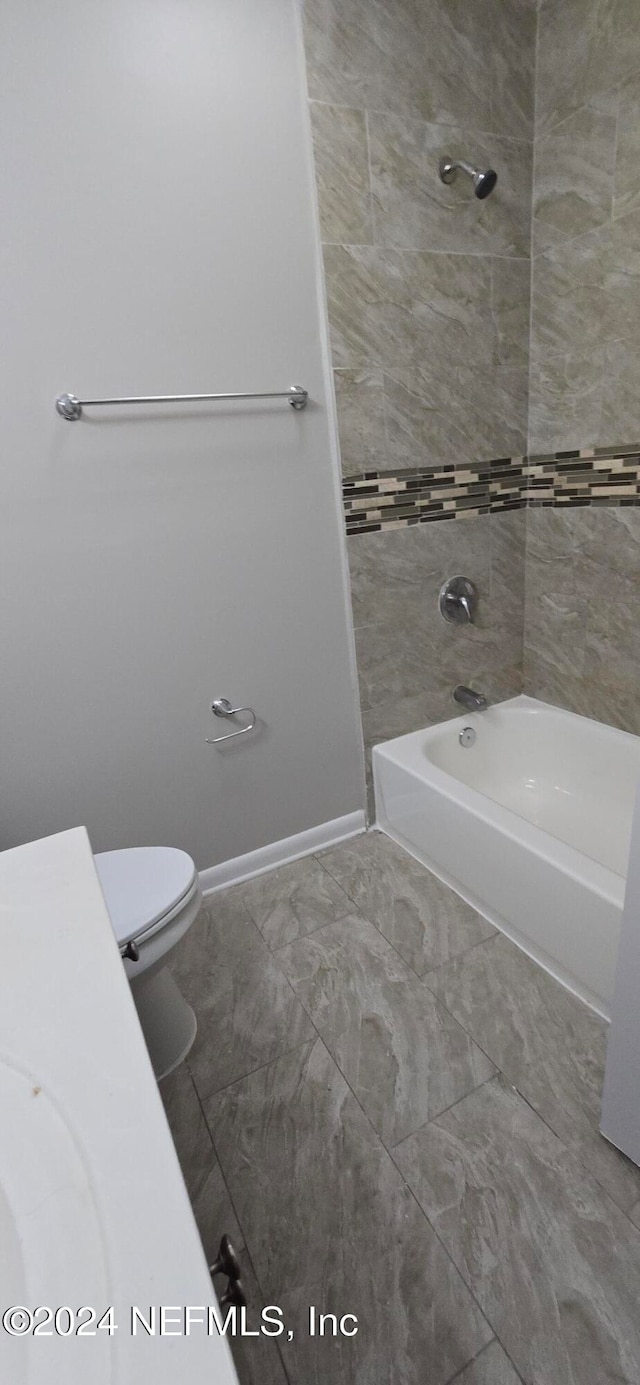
483,179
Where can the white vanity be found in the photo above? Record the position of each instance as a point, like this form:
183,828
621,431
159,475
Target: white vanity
93,1209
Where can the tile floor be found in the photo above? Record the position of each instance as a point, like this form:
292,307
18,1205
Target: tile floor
394,1113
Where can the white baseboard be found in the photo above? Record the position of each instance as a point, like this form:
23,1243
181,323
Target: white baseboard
280,853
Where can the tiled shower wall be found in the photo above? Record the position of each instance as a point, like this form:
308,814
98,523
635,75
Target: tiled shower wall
439,368
582,636
428,297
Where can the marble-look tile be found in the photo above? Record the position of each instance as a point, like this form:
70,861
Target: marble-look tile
571,305
555,615
507,596
510,29
566,400
554,1264
367,53
556,606
257,1360
474,415
201,1171
397,572
491,1367
609,535
622,281
395,308
329,1222
292,901
545,1041
414,210
361,426
574,171
402,1054
620,421
612,644
627,163
247,1013
423,920
510,313
574,57
552,534
391,663
342,173
386,720
513,1009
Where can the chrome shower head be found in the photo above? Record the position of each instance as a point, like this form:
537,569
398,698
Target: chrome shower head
483,179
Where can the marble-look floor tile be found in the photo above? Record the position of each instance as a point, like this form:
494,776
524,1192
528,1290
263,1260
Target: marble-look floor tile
402,1054
329,1222
201,1171
546,1042
293,900
257,1360
423,920
247,1013
491,1367
553,1262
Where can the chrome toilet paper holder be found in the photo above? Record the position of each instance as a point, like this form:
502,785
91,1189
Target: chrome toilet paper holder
221,707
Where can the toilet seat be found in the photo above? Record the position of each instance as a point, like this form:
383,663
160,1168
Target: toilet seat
144,887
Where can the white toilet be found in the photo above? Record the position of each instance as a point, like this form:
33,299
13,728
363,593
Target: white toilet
153,896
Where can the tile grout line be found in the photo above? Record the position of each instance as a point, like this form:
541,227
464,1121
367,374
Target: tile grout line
420,975
245,1249
460,1373
388,1153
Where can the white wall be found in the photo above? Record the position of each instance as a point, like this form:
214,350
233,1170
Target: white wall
159,237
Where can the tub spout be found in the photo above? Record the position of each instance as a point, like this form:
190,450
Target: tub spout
473,701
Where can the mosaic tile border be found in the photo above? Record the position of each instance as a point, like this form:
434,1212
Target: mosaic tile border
592,476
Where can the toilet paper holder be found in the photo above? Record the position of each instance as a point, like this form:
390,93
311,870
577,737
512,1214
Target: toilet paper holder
221,707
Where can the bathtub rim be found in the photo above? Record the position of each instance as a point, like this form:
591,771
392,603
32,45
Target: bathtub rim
607,883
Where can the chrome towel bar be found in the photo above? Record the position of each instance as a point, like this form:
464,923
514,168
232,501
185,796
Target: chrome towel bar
71,408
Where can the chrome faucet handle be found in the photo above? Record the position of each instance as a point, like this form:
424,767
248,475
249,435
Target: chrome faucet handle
458,600
466,606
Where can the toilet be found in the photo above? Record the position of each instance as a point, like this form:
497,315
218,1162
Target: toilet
153,895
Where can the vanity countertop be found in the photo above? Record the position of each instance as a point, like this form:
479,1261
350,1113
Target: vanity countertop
93,1208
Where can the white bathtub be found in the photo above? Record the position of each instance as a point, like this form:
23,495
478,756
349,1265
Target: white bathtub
531,825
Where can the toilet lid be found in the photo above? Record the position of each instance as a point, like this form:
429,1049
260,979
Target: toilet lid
141,884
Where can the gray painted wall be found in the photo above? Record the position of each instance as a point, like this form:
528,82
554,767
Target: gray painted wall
160,237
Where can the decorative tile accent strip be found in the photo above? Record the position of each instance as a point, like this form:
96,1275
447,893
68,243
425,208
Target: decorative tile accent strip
592,476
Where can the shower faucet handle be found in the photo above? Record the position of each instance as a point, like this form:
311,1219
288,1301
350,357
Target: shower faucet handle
458,601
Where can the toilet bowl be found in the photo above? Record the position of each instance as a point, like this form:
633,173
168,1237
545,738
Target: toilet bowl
153,895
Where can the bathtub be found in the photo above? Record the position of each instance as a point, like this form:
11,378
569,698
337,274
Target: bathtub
530,824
